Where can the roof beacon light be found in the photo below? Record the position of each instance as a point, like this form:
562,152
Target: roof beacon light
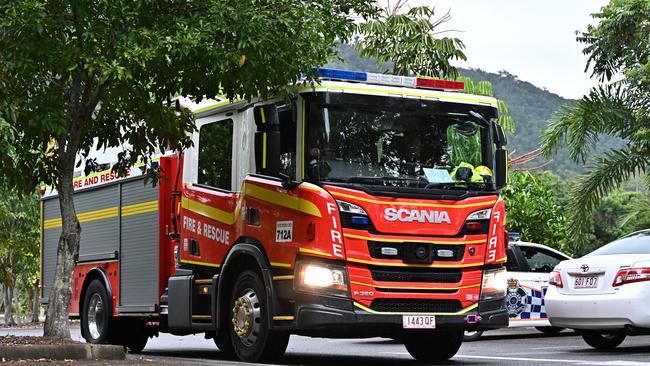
385,79
439,84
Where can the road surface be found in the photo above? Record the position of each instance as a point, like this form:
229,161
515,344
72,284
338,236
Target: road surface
503,347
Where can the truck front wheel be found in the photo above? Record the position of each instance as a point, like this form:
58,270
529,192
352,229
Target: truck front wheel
252,338
96,313
434,346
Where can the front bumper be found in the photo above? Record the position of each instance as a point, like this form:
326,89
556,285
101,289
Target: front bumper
331,317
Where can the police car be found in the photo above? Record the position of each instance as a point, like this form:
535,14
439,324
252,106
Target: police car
528,266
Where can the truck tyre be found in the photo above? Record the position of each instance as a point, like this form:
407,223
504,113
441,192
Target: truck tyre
604,340
250,333
224,343
96,313
134,335
433,346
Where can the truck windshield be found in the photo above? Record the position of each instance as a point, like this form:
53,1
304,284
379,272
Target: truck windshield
396,142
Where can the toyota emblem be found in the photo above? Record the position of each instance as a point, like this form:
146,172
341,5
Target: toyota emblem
584,268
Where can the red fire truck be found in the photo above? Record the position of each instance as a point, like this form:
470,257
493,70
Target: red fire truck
361,206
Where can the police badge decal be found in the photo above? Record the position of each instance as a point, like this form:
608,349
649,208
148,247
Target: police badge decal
515,298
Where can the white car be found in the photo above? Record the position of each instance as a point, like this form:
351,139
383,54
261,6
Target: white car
528,267
606,294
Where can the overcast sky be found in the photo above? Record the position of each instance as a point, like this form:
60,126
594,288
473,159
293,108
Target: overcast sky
534,40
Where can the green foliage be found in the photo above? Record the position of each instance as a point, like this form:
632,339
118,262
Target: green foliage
617,45
19,239
77,75
534,210
133,56
411,41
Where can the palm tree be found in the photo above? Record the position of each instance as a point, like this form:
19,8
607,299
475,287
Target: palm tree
618,45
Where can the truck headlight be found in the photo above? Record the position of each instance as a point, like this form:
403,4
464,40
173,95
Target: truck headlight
322,277
494,284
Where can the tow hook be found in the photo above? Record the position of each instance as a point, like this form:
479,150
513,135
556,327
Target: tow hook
472,319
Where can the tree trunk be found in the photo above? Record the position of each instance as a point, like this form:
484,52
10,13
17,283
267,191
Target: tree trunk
17,306
9,316
2,298
36,303
56,319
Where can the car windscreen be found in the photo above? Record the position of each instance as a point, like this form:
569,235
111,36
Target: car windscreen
638,243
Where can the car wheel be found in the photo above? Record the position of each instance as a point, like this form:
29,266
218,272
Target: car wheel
549,330
250,333
472,335
433,346
96,313
604,340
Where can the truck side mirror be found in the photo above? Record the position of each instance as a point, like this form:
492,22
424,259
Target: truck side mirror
501,167
499,135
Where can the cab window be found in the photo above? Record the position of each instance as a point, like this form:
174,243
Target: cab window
287,140
539,259
215,154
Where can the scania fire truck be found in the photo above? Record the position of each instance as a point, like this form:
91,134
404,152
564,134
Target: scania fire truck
363,205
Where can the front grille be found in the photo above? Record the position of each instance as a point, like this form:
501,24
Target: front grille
415,274
374,248
415,305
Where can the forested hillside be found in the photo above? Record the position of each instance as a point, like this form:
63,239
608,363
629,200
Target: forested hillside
530,106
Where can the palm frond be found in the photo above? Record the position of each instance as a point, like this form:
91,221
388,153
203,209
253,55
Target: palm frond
605,175
604,111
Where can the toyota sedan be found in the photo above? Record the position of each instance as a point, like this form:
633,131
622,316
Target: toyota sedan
606,294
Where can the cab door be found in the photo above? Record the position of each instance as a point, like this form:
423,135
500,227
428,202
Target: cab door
210,196
527,284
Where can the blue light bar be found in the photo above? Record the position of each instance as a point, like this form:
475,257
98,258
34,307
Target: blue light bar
340,74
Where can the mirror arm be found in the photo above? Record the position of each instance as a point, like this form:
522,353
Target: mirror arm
287,182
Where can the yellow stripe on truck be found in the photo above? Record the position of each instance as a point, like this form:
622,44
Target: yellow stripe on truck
140,208
282,199
213,213
106,213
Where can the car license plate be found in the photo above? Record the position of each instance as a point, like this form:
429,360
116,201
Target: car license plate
586,282
418,321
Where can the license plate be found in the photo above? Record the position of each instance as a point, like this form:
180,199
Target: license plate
586,282
418,321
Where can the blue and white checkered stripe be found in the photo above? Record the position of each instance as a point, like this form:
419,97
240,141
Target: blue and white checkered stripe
535,308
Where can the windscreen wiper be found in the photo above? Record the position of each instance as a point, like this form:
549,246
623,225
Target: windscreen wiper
361,179
456,185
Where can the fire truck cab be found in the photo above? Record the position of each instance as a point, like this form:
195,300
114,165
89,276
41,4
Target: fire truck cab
365,205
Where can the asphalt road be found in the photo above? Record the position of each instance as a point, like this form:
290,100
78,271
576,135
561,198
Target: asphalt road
503,347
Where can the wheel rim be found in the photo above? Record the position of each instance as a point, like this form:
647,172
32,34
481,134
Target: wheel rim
95,316
246,317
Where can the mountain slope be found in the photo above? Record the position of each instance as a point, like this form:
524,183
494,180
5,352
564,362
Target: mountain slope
530,106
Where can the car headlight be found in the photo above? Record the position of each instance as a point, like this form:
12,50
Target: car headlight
322,277
494,284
